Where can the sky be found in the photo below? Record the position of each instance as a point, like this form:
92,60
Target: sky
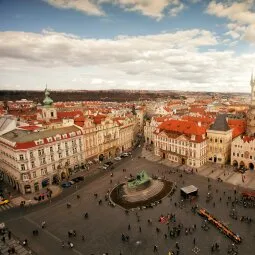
187,45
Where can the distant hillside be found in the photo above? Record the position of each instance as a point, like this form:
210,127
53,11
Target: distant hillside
105,95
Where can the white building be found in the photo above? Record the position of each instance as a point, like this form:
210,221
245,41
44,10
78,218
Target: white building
32,160
243,152
180,141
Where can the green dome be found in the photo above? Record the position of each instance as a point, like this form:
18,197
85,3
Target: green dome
47,100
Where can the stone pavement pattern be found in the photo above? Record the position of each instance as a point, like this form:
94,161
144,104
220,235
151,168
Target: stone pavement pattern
12,242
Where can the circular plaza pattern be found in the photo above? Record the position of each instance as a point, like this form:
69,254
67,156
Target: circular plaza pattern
141,191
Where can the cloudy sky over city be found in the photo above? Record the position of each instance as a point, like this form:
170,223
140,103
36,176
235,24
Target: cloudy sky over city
193,45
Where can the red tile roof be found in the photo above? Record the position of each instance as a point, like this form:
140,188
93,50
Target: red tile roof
71,114
183,127
248,138
30,128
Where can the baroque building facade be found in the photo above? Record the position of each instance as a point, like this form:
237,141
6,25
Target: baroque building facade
180,141
31,161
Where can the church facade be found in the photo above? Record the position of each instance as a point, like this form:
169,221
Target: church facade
243,147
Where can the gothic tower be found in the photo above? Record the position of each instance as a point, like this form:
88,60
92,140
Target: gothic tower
251,113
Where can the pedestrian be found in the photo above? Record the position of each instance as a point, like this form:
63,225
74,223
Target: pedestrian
43,224
140,229
194,241
83,238
165,236
3,239
177,245
129,227
155,248
9,235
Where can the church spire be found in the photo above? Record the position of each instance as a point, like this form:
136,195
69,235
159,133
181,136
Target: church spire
47,100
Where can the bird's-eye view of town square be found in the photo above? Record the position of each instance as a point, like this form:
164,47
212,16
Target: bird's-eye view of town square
127,127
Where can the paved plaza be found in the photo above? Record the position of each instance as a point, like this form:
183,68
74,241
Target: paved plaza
105,225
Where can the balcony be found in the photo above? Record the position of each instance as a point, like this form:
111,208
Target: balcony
22,160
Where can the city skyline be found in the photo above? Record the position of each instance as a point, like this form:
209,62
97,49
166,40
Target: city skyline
188,45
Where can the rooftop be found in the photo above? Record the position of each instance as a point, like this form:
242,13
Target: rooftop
220,124
23,136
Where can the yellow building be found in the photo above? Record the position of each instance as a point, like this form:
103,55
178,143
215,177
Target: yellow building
219,138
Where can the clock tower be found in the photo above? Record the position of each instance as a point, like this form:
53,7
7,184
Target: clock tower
251,113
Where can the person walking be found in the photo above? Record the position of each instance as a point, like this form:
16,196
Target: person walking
194,241
140,229
9,235
129,227
155,249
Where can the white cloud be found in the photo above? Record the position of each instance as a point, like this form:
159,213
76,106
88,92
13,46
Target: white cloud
152,8
86,6
161,61
176,10
241,13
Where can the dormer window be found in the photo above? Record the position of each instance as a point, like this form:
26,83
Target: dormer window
58,137
64,135
49,139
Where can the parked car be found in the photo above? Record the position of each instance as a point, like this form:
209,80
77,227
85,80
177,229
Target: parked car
80,178
117,158
4,202
104,167
109,163
125,154
66,185
75,179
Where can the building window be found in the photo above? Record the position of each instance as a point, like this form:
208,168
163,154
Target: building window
51,149
34,174
44,171
21,157
216,140
23,168
234,154
220,141
237,154
250,157
53,167
32,164
31,154
67,154
60,155
25,177
52,158
242,155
